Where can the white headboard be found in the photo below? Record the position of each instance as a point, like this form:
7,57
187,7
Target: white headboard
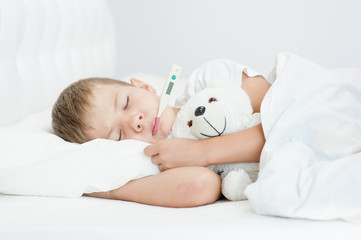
45,45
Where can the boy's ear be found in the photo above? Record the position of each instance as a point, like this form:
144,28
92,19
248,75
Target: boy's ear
137,83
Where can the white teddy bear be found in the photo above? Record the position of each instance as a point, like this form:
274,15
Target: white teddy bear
214,112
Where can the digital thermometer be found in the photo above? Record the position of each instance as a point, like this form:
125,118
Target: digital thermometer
174,74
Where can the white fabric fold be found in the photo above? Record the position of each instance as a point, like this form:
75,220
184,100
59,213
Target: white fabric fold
311,161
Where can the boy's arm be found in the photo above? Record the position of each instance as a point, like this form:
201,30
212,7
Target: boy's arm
243,146
179,187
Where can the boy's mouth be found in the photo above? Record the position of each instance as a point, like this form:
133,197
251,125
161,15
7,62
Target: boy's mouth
155,126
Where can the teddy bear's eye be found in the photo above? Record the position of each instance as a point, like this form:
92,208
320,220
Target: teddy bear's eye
212,99
190,123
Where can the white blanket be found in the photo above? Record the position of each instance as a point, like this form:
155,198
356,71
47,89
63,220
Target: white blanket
311,161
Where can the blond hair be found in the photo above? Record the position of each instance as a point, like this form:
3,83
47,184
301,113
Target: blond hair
71,107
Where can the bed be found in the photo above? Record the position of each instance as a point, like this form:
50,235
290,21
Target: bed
43,47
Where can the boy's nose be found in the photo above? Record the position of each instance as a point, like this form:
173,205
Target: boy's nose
137,123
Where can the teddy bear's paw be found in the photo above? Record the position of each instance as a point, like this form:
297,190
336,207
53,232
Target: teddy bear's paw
234,184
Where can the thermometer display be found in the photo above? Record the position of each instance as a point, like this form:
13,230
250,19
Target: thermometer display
174,74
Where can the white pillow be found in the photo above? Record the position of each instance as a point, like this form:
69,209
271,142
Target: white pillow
34,161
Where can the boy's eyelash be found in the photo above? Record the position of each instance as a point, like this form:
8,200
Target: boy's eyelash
126,105
120,136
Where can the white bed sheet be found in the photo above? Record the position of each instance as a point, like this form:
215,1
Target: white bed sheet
27,217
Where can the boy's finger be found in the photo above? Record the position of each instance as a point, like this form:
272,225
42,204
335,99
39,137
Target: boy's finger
156,160
151,150
161,167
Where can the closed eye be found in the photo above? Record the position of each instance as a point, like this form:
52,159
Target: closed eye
120,135
127,103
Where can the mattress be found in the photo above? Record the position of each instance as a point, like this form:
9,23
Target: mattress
28,217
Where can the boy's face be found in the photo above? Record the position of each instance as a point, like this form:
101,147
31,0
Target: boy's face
124,112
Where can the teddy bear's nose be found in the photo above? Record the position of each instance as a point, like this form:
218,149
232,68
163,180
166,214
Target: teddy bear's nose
200,111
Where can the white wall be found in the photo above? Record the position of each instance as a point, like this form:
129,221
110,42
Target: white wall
153,34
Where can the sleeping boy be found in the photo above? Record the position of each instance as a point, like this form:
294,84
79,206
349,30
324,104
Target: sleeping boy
111,109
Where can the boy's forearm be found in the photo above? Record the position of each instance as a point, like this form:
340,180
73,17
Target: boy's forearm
244,146
179,187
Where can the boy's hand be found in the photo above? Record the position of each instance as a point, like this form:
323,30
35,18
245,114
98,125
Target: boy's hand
180,152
